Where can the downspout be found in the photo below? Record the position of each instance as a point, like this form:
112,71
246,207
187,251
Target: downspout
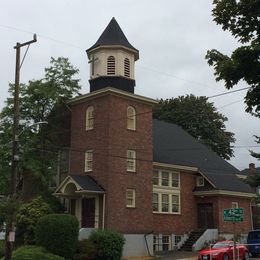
145,235
103,213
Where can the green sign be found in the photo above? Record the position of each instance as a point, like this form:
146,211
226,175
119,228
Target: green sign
234,215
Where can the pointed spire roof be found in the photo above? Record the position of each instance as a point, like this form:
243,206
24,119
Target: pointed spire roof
113,35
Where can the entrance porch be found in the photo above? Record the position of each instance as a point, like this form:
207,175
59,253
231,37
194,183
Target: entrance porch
85,200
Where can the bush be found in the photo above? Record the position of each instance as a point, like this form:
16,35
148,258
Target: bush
86,250
2,248
27,218
109,244
58,233
34,253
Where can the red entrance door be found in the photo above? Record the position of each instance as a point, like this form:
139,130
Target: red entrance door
88,213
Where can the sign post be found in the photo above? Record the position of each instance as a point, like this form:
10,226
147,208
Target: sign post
234,215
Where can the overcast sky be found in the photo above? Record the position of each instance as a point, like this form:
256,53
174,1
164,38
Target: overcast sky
171,35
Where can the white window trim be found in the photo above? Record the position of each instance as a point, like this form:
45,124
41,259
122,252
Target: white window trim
170,179
200,181
88,161
131,160
234,204
90,118
131,119
132,198
160,192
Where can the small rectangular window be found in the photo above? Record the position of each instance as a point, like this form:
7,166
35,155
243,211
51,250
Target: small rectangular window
165,178
175,204
155,243
165,243
234,205
165,203
155,177
131,160
90,118
155,202
88,160
200,181
130,198
175,179
177,240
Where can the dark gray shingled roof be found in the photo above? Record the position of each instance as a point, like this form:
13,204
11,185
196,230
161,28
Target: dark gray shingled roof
172,145
113,35
87,183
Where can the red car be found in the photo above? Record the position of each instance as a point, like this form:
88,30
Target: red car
224,250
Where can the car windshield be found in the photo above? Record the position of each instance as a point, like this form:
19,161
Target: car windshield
222,244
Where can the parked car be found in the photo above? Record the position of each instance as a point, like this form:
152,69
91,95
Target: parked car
224,250
253,241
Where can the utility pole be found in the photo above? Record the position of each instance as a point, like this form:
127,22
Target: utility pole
10,225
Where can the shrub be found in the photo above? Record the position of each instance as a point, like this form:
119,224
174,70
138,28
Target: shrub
27,218
58,233
2,248
86,250
34,253
109,244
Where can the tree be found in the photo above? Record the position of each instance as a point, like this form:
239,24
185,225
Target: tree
200,119
241,18
38,100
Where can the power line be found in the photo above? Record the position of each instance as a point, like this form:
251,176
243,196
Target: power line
229,92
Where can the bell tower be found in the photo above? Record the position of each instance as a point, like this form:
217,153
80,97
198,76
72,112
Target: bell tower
112,60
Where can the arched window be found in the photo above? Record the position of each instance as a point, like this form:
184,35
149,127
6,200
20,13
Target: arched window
111,65
131,118
90,118
127,67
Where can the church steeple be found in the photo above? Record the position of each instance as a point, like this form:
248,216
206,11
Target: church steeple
112,60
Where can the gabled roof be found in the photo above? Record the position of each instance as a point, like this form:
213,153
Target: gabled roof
113,35
172,145
82,184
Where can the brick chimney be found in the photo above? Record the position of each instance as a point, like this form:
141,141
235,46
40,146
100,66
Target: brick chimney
251,167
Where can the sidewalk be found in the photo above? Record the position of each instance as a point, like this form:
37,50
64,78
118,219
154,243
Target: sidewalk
180,255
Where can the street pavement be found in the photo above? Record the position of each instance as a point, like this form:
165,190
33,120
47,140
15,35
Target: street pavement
183,255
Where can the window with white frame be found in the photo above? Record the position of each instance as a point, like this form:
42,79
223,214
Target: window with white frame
199,181
131,118
155,202
130,198
234,205
155,177
166,243
166,178
90,118
166,202
88,161
177,240
156,243
131,161
111,65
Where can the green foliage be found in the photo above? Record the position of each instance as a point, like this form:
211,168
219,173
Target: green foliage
27,218
241,19
58,233
109,244
86,250
8,209
34,253
38,99
2,248
200,119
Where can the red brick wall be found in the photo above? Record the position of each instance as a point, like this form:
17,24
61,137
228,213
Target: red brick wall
238,227
187,220
109,141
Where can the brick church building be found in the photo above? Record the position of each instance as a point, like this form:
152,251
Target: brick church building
145,178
